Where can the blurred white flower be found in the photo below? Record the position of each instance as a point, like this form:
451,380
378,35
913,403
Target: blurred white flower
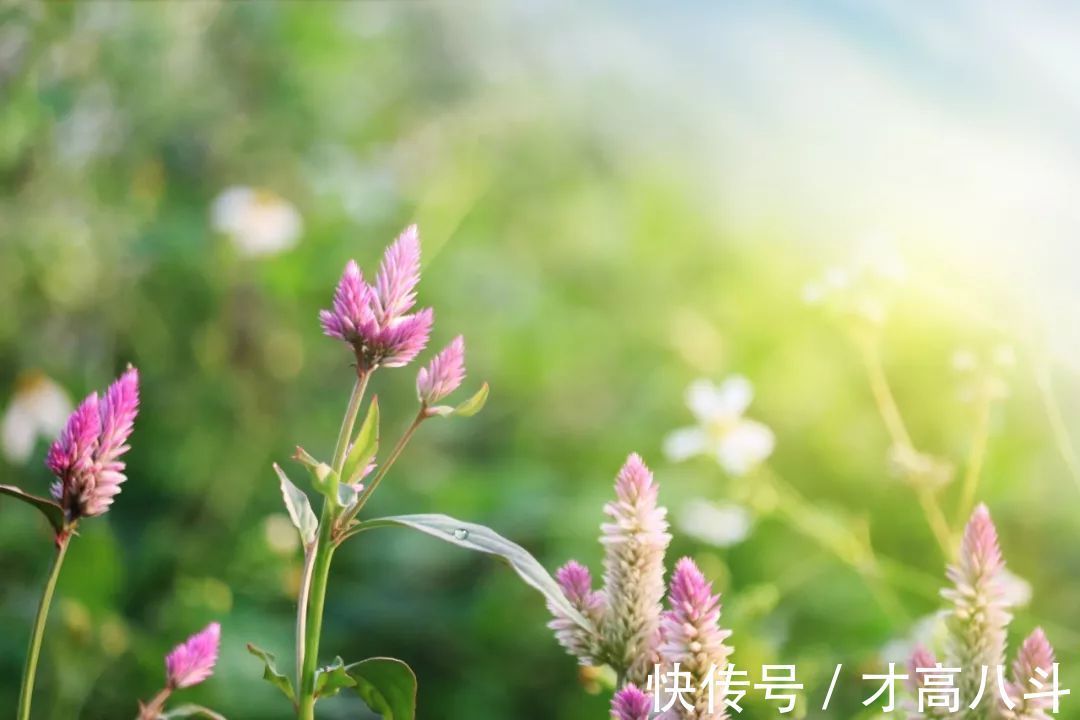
1015,590
258,221
929,631
39,408
736,442
719,524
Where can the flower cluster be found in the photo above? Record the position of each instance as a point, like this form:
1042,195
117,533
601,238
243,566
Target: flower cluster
977,626
692,635
631,630
375,320
86,457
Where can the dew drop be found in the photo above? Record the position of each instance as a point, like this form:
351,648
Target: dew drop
461,534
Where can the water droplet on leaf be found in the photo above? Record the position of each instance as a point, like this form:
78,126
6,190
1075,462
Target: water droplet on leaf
461,534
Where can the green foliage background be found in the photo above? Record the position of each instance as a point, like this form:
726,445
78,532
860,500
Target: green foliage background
593,275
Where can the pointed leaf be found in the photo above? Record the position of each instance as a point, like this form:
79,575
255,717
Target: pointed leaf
192,711
270,672
332,678
387,685
474,404
51,510
300,512
364,447
485,540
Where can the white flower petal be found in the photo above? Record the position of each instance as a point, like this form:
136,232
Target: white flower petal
1016,591
745,446
736,393
17,433
258,221
722,525
703,399
685,443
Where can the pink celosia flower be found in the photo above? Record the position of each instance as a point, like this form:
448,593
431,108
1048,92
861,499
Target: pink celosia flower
691,636
576,583
630,704
978,622
443,375
634,544
374,320
1035,652
86,457
193,660
921,658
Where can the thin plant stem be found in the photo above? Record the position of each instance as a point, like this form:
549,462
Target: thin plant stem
301,611
390,460
898,433
312,598
152,710
977,453
34,650
1057,423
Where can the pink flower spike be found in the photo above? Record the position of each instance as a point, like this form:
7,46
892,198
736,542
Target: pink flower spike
575,581
630,704
1035,652
398,344
443,375
86,457
399,273
351,313
193,660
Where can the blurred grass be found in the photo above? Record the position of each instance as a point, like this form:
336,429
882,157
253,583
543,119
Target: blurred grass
592,278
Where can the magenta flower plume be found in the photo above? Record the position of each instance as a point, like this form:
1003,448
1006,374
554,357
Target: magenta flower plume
691,635
978,622
86,457
443,375
399,273
1035,653
193,660
635,541
374,320
630,704
575,580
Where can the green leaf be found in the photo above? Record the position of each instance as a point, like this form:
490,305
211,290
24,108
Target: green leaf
387,685
485,540
323,477
364,447
300,512
474,404
51,510
332,678
190,711
271,674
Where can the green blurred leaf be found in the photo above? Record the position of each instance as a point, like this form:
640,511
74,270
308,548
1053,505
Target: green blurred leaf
484,539
364,447
474,404
51,510
296,502
332,678
387,685
270,672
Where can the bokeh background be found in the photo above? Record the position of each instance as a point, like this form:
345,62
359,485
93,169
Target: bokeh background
614,201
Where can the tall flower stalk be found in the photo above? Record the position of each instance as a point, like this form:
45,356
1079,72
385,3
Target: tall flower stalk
977,625
86,461
377,322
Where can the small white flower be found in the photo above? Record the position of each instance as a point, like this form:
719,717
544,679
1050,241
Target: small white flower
258,221
736,442
39,408
722,525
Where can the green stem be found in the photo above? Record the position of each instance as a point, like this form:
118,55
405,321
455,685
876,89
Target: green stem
390,460
977,455
312,599
34,650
